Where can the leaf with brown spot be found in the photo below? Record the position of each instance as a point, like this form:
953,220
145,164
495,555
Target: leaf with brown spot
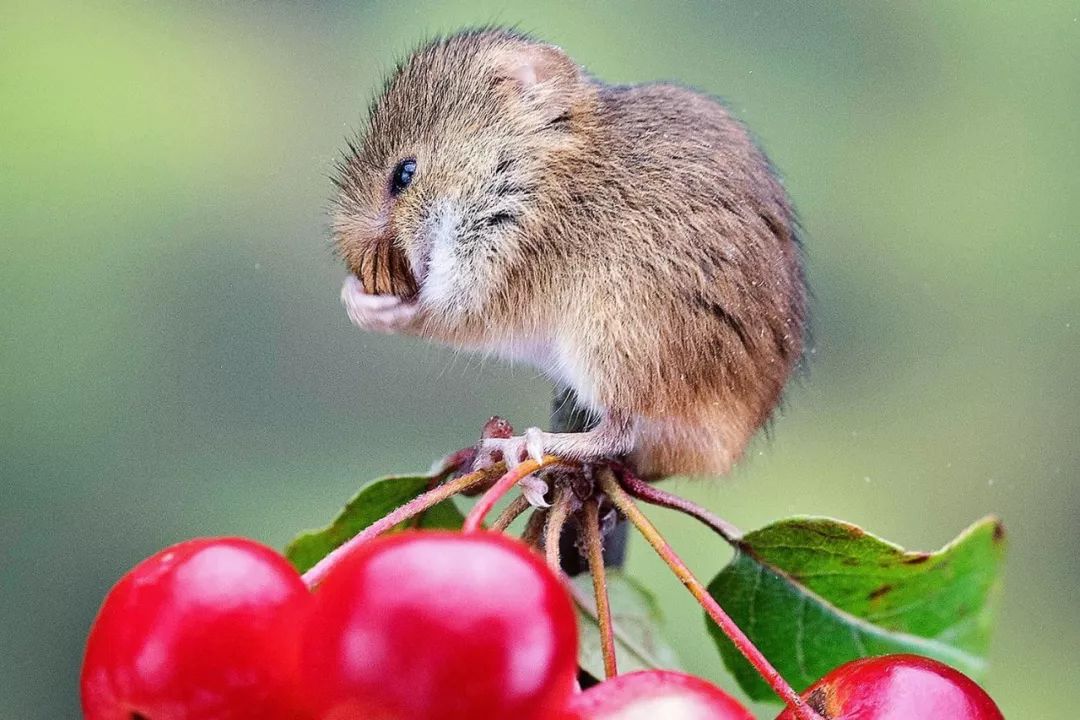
879,592
814,593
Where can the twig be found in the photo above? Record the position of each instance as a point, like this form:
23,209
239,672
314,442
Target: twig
744,645
587,604
534,528
519,505
655,496
594,545
556,520
418,504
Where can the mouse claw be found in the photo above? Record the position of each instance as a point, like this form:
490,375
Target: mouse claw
534,489
511,450
534,443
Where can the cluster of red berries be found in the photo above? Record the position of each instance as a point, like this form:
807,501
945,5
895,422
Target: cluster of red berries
413,626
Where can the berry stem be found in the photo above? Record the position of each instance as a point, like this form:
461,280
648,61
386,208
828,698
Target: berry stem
556,520
519,505
487,501
742,643
448,465
417,520
587,604
418,504
655,496
534,528
594,545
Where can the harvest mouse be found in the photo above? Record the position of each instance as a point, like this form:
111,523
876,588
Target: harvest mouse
631,242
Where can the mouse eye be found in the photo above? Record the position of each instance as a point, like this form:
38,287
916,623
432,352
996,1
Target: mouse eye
403,176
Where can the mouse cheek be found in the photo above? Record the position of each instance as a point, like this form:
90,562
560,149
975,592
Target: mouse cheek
441,272
437,255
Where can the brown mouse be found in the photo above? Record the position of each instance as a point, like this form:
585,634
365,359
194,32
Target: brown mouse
632,242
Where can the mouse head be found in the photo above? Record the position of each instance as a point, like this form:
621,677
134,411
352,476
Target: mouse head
455,163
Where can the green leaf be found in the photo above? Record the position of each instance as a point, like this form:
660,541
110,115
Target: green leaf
814,593
636,617
374,500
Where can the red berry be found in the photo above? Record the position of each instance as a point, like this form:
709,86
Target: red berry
656,695
898,687
441,626
205,630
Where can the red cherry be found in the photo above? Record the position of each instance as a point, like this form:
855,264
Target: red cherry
898,687
205,630
656,695
441,626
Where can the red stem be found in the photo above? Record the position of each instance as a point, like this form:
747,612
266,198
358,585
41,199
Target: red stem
418,504
655,496
594,544
511,513
475,519
742,643
452,463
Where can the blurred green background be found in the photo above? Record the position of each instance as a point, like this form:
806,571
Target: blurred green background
174,361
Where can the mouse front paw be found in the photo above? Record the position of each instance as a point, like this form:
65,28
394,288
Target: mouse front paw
377,313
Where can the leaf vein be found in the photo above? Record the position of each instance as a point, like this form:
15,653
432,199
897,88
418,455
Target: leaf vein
800,630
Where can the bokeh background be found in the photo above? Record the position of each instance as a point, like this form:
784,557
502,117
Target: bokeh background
174,361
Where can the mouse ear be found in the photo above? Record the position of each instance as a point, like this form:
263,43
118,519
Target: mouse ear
540,72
